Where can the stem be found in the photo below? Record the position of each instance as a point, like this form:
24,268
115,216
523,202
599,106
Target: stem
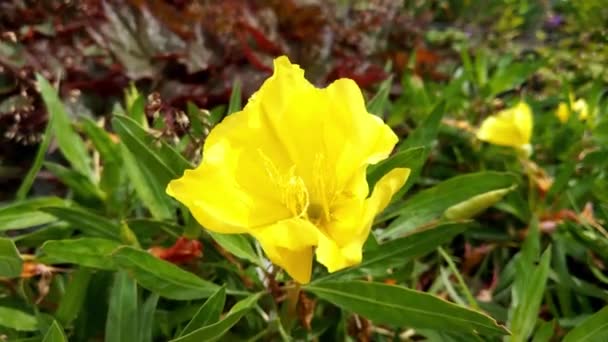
465,288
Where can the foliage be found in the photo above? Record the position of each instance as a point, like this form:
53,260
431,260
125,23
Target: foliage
480,244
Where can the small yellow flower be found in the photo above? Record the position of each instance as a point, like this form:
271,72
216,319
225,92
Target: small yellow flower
290,169
511,127
579,106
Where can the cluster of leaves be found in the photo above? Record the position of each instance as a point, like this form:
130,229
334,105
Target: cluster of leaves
478,245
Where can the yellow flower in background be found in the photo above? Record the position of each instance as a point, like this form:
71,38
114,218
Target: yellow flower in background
290,169
579,106
511,127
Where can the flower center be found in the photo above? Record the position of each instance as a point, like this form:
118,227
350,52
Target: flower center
310,200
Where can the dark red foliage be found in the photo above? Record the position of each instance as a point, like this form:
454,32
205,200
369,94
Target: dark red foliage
183,251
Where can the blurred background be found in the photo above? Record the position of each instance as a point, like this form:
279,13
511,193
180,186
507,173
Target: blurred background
193,51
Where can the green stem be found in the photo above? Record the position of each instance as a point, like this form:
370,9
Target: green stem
463,285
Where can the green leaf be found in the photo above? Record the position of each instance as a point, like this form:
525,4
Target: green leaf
155,155
592,329
525,312
215,331
236,244
79,183
88,252
235,98
426,133
409,158
398,251
510,76
72,300
544,332
25,214
70,143
146,322
86,221
148,188
430,204
108,150
422,136
208,313
10,260
17,319
162,277
399,306
55,334
29,178
122,323
378,103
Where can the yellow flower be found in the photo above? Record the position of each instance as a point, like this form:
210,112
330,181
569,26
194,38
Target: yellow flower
290,169
579,106
511,127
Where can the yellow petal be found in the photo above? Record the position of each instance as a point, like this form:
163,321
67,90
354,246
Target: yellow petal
510,127
581,107
342,244
324,131
297,263
292,234
563,112
236,185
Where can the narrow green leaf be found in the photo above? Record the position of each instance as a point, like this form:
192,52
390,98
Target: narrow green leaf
79,183
399,306
409,158
544,332
71,302
426,133
525,312
146,322
162,277
235,98
55,334
29,178
430,204
86,221
137,110
108,150
70,144
164,162
25,214
236,244
122,324
592,329
10,260
398,251
215,331
148,188
422,136
88,252
378,103
208,313
17,319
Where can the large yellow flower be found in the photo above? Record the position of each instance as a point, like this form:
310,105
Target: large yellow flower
511,127
578,106
290,169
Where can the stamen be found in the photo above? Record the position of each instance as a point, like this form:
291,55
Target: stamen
291,187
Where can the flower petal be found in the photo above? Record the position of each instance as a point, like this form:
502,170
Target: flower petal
292,234
236,187
510,127
342,244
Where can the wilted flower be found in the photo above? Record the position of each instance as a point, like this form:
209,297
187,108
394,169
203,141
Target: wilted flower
511,127
290,169
578,106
